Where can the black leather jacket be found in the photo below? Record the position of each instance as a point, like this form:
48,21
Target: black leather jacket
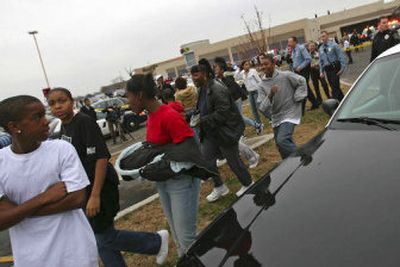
223,122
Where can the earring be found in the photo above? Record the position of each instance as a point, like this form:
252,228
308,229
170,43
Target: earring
19,131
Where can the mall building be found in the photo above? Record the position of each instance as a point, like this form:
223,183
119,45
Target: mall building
239,48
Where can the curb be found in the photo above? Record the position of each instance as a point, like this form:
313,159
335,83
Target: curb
263,139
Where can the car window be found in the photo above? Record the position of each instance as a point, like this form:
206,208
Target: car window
377,93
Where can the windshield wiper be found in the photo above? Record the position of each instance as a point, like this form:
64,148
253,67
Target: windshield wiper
372,121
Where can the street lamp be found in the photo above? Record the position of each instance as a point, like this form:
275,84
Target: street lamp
33,33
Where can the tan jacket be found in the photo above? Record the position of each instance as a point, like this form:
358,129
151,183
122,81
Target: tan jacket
188,97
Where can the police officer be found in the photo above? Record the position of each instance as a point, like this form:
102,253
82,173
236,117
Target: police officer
332,63
301,65
384,39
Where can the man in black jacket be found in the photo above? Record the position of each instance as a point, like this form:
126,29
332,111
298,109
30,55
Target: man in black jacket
384,39
221,127
88,109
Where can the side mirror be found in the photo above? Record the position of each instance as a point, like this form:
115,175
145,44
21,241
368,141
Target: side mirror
330,105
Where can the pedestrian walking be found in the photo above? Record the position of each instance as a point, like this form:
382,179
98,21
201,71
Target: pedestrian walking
88,109
102,193
355,40
332,63
221,70
281,94
384,39
251,80
315,73
346,46
42,190
179,196
221,127
301,65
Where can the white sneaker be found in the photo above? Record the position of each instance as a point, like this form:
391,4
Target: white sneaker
217,193
163,253
254,161
243,189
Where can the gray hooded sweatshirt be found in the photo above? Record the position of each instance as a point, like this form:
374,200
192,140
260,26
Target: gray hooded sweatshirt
287,102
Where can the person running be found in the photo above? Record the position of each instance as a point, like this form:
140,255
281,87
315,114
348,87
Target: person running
42,191
282,93
221,127
251,80
179,196
185,94
103,196
220,70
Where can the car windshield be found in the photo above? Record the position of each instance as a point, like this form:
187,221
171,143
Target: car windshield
377,94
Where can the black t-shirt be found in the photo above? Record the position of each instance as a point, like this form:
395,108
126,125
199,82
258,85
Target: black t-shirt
85,135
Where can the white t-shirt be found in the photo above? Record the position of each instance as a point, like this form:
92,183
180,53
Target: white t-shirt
64,239
346,44
251,80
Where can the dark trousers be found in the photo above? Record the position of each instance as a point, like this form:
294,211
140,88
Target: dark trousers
111,242
334,82
211,152
310,95
316,78
348,52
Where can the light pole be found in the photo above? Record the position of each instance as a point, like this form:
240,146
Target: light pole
33,33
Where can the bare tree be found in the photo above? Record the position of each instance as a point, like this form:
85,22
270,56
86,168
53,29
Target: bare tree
256,35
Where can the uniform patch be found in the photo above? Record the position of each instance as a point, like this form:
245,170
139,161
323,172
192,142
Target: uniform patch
91,150
66,138
387,36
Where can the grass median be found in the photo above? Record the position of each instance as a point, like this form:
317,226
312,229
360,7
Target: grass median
151,217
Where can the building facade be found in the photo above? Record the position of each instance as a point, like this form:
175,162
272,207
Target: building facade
239,48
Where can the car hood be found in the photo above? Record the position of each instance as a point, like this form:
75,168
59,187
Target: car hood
334,203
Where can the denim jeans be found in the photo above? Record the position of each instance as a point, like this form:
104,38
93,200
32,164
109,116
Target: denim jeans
180,201
253,95
246,120
283,135
111,242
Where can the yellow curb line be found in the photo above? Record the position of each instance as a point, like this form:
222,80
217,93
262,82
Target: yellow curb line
6,259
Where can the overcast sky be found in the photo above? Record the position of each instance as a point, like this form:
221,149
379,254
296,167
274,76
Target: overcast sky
86,44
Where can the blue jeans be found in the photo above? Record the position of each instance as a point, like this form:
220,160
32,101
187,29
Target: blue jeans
246,120
253,95
283,135
180,201
111,242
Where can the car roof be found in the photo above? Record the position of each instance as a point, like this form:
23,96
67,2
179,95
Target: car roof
394,50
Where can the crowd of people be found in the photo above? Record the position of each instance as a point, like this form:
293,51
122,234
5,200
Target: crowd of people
62,195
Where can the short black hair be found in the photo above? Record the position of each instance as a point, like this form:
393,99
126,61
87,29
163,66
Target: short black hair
268,57
168,94
62,90
383,17
198,68
86,98
326,32
209,71
14,108
180,83
294,38
142,83
221,63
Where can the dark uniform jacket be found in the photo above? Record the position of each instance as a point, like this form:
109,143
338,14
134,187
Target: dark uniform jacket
383,41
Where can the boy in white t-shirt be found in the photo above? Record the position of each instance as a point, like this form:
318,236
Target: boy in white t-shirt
42,190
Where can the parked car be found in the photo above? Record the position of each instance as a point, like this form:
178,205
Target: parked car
130,120
334,202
